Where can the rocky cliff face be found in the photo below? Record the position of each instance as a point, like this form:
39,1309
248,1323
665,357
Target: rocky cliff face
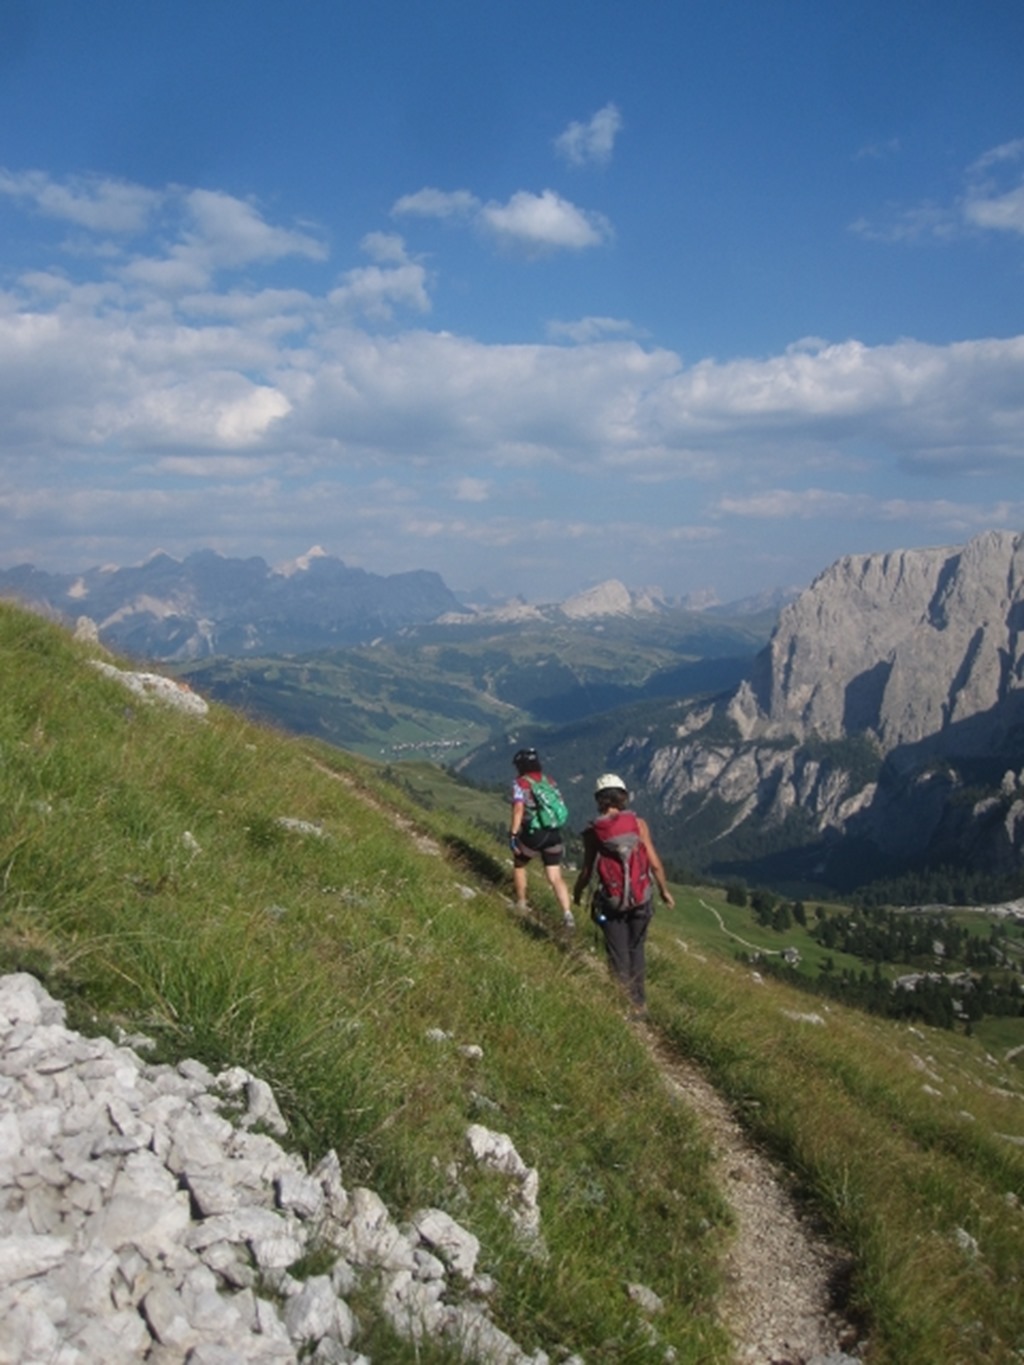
899,646
889,689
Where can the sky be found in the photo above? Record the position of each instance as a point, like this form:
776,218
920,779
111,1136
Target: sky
695,294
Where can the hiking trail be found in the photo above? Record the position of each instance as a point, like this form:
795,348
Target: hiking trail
783,1278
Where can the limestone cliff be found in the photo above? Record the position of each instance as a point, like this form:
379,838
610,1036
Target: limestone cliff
900,646
890,690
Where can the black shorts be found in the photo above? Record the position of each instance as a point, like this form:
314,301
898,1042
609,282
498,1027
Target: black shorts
546,844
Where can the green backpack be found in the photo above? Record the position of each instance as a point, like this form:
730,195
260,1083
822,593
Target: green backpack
548,811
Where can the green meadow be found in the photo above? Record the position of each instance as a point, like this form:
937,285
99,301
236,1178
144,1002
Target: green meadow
247,897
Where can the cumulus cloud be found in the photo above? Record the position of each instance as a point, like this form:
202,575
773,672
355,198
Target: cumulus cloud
387,248
957,406
535,222
93,202
376,291
545,221
594,141
217,232
434,203
990,202
233,232
244,411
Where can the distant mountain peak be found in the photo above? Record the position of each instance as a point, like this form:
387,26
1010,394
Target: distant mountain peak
302,562
611,598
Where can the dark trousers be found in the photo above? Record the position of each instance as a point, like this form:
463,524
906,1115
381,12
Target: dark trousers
625,937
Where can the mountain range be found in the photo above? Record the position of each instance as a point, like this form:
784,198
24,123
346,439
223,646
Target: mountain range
208,605
880,730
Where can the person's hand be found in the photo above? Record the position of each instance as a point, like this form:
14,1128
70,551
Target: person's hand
666,896
513,842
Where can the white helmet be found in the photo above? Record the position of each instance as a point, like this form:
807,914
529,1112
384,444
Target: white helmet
609,782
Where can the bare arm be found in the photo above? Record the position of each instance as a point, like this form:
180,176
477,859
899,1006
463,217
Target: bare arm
656,866
586,871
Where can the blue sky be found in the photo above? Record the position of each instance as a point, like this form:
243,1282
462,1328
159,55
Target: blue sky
693,295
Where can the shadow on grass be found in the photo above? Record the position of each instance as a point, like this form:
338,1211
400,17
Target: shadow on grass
485,866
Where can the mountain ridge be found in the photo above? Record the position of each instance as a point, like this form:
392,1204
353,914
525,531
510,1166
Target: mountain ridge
889,688
208,605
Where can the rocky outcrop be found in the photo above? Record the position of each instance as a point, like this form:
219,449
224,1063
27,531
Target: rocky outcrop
611,598
900,647
889,688
146,1213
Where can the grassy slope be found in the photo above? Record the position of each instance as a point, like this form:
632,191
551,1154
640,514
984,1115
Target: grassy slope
322,963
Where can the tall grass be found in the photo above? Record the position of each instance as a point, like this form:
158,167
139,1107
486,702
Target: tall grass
902,1138
147,878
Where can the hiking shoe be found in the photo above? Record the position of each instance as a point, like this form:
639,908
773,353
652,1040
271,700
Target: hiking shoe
521,906
568,920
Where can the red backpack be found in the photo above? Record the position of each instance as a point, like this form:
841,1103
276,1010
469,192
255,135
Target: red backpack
623,867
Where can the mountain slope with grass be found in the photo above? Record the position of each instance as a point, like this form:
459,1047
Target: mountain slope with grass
251,899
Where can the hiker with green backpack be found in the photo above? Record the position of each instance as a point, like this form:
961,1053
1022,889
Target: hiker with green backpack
535,830
617,846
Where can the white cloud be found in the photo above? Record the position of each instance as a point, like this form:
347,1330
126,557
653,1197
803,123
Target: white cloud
375,291
545,221
956,406
952,518
992,199
213,410
995,156
585,330
912,224
93,202
536,222
989,203
386,248
262,418
594,141
785,504
218,232
471,490
434,203
232,232
1004,212
931,515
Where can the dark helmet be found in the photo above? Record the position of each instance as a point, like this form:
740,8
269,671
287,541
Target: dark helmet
527,760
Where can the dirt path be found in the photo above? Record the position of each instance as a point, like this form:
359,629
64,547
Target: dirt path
782,1276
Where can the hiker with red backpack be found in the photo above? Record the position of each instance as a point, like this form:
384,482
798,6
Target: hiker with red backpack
617,846
535,830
